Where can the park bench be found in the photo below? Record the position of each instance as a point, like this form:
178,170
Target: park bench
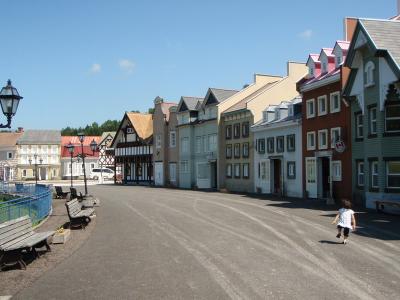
380,204
60,194
77,215
17,236
86,200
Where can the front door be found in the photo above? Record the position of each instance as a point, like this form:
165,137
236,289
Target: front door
311,174
203,176
159,173
277,177
42,174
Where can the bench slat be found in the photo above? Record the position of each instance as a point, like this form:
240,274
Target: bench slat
15,225
18,230
32,240
16,240
8,223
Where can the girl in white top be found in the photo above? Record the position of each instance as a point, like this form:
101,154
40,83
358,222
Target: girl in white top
346,219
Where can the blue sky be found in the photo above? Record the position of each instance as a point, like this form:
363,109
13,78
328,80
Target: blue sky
76,62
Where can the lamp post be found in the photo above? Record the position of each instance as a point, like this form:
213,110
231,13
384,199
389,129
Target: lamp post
36,164
9,100
71,149
93,147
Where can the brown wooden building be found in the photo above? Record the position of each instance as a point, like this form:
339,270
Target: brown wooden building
133,146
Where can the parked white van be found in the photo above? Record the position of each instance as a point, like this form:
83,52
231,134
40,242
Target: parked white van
98,172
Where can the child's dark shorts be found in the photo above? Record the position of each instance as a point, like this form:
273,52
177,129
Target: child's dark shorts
345,230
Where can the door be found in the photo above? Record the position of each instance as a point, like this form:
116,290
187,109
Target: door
172,173
311,174
277,177
159,173
203,176
42,174
213,174
263,184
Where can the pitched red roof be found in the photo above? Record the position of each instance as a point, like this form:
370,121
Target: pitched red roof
65,140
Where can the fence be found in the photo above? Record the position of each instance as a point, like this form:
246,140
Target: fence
34,200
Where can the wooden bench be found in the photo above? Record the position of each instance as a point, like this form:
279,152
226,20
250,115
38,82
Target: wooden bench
17,236
60,194
78,217
380,204
86,200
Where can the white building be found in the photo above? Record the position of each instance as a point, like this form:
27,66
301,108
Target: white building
278,150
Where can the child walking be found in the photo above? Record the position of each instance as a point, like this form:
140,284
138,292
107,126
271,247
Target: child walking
346,219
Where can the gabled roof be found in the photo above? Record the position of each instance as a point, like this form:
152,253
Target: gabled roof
344,45
384,37
314,57
9,139
40,137
188,103
105,135
142,123
215,95
65,140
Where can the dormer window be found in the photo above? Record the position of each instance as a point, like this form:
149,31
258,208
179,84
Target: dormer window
324,67
311,71
338,60
265,116
277,114
290,110
369,74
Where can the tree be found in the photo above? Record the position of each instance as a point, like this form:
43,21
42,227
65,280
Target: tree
93,129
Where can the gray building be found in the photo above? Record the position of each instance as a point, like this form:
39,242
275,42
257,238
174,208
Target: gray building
373,90
8,155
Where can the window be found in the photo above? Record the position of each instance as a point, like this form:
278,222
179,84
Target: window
359,126
228,132
311,140
280,143
323,139
335,136
291,170
172,172
264,170
23,173
9,155
212,142
372,120
310,108
158,141
184,166
228,151
185,145
205,145
229,170
335,102
336,170
322,107
245,129
392,118
291,142
393,174
324,68
338,60
236,131
237,151
245,150
369,74
237,170
270,145
261,146
311,71
92,166
360,173
198,144
172,139
246,171
374,174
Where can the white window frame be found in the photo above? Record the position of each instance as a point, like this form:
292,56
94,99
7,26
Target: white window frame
373,121
369,74
24,173
374,173
185,145
332,102
325,100
308,102
184,166
309,134
205,143
10,155
236,170
198,144
171,167
246,171
229,170
335,129
391,118
158,141
320,146
336,170
360,174
359,125
391,174
228,151
172,139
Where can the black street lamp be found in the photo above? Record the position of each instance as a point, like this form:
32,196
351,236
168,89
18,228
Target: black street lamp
36,164
93,147
9,100
71,149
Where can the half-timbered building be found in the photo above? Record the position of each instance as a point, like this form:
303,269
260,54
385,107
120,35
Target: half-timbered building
133,146
106,153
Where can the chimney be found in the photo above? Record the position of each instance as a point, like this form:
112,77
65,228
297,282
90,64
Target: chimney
20,129
349,27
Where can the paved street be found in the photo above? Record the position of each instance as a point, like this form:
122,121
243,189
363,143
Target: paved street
152,243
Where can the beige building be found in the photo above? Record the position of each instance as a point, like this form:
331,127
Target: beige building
237,115
165,134
8,155
40,148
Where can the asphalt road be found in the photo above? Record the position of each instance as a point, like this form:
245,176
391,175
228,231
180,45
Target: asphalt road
152,243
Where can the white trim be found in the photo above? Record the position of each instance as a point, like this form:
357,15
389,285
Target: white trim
309,116
311,133
336,163
373,120
374,162
359,173
320,83
388,174
325,99
369,74
320,146
332,109
340,134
